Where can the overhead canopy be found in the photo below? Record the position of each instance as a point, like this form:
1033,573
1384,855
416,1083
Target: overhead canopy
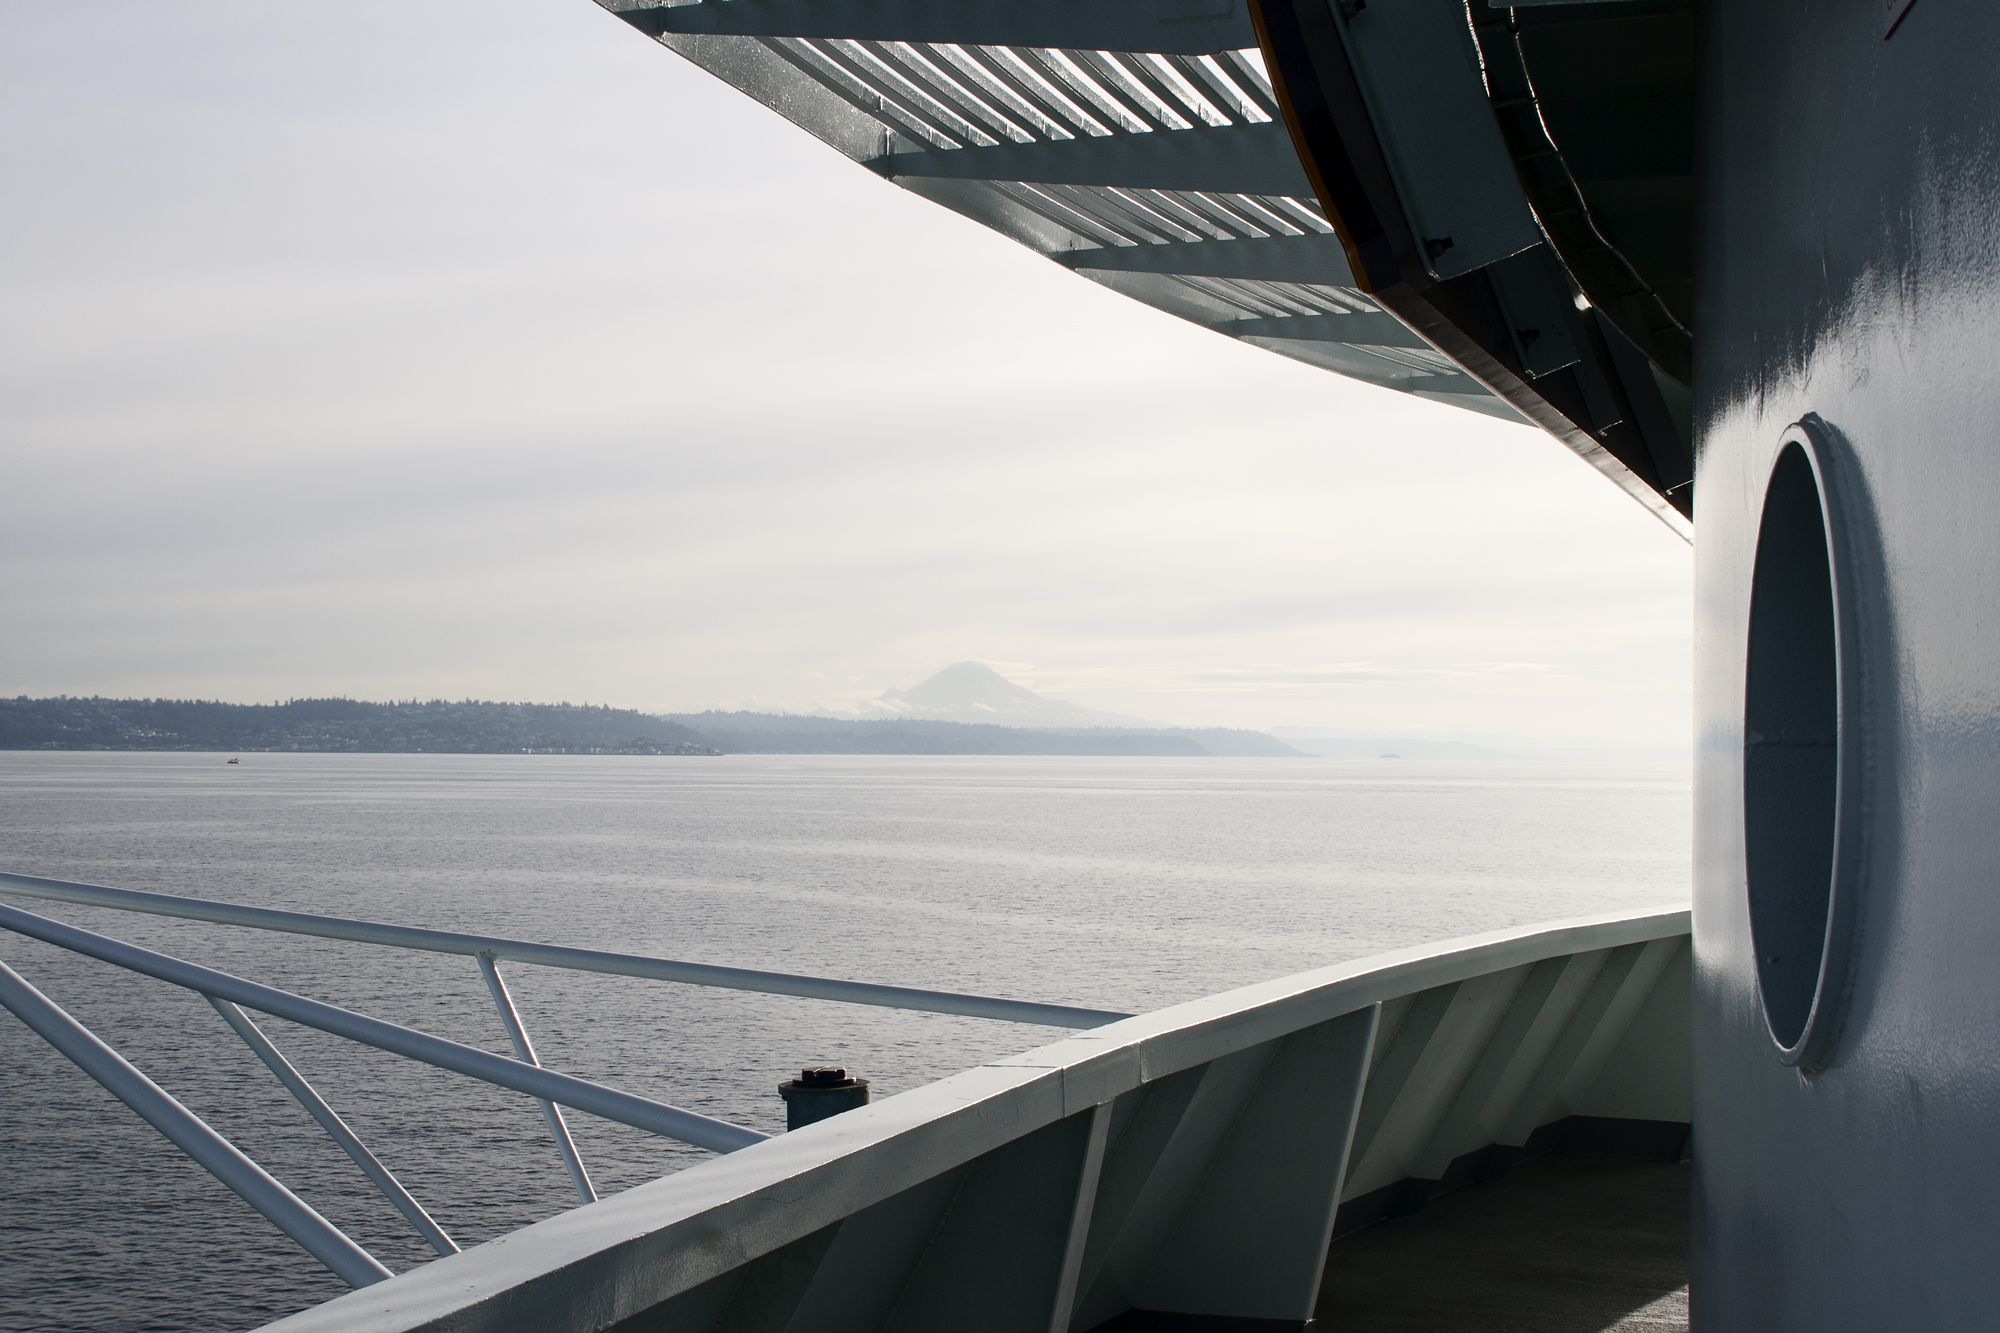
1142,143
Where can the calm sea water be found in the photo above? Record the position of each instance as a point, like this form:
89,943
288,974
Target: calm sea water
1114,883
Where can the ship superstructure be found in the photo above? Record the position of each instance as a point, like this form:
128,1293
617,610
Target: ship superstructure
1741,258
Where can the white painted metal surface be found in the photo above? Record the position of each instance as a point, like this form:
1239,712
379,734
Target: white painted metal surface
1195,1161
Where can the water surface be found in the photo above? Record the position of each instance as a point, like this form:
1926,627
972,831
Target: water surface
1121,884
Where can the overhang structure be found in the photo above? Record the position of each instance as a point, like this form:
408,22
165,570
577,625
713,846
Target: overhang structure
1376,192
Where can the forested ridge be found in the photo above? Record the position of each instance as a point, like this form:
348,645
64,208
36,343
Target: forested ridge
471,726
436,726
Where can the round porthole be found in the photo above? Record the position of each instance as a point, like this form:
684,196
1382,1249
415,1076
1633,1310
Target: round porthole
1801,816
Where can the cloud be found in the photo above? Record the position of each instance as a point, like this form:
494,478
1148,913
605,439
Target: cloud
491,350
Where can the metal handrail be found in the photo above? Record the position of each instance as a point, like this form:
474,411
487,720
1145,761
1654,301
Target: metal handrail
1594,974
596,1099
551,1090
1250,1119
554,955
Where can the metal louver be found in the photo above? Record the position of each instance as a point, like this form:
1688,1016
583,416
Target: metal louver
1138,144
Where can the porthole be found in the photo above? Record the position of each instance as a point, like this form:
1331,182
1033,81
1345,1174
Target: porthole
1801,812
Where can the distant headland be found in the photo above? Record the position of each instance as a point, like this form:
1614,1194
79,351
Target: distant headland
966,708
440,726
436,726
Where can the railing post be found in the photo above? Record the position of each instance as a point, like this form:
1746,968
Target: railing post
524,1051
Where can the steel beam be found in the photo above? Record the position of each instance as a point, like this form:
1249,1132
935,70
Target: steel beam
1176,27
996,1258
1361,329
1510,1057
1447,1059
1359,362
1314,258
1401,1049
1218,159
1135,1232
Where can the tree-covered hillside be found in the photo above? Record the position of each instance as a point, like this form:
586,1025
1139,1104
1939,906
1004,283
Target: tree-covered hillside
436,727
469,726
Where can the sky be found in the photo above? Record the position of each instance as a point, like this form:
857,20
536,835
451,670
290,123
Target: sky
420,348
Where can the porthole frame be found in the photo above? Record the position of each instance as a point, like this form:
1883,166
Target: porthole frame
1817,1037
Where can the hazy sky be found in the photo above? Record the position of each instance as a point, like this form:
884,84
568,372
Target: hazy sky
408,348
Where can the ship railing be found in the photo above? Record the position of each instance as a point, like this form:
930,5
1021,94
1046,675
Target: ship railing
1186,1169
231,995
1194,1162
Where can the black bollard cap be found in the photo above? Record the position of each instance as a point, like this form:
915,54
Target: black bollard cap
821,1091
823,1076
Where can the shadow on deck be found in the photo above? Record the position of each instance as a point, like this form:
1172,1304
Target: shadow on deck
1558,1245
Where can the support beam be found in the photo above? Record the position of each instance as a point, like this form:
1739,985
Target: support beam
1598,1001
1512,1054
1394,1066
1169,27
336,1128
1452,1052
995,1260
1220,159
1618,1019
1178,1134
1361,329
1650,1074
1251,1242
1079,1222
1312,258
1357,362
524,1051
871,1260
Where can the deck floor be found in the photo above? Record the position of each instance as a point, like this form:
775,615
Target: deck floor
1559,1245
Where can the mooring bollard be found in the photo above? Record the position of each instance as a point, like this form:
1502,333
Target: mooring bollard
819,1092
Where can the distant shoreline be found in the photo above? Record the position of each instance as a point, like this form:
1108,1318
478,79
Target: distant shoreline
349,726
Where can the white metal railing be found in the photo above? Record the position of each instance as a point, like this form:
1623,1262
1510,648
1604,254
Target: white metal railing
190,1133
554,955
1194,1161
552,1090
1183,1169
